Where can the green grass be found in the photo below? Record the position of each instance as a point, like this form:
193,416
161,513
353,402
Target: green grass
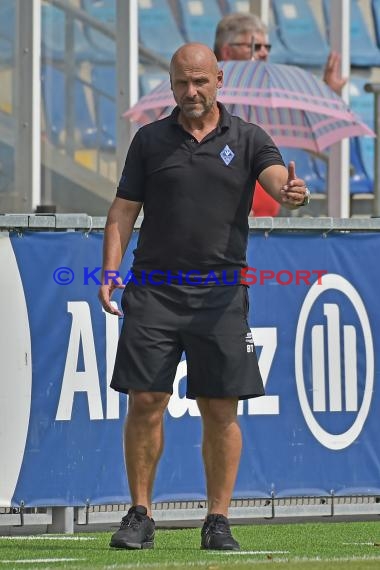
303,546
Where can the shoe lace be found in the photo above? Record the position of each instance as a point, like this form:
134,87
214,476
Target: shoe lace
219,525
130,520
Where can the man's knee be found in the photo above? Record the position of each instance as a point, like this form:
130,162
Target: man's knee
147,403
218,410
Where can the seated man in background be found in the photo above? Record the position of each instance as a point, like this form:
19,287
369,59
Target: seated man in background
242,36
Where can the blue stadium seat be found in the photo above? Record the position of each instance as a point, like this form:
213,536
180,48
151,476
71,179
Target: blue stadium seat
278,53
6,52
361,102
314,170
158,29
7,19
7,31
305,168
54,104
53,40
363,148
299,32
104,84
228,6
199,20
149,80
360,181
105,11
375,6
320,167
364,52
367,155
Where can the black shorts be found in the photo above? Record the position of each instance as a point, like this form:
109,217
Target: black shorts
208,323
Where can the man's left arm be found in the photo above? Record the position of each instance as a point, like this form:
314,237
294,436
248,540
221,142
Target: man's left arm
284,185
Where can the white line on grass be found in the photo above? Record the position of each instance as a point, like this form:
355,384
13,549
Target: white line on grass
358,543
333,559
47,537
243,552
40,560
252,561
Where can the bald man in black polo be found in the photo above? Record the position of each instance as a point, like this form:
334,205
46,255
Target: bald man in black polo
193,172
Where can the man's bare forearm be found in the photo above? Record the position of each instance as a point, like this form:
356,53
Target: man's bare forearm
118,230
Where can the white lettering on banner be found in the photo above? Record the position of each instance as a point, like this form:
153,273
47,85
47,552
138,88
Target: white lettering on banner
266,337
87,380
15,371
328,337
112,337
80,381
178,406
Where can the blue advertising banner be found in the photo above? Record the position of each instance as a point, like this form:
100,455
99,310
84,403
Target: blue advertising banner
315,321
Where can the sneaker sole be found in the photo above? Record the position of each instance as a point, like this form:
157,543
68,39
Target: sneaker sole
132,545
235,547
225,548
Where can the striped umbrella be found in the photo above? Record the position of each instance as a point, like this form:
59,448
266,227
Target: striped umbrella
294,106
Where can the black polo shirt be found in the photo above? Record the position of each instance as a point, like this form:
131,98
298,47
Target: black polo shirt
197,196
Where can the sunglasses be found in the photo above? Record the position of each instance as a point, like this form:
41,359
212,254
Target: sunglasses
256,47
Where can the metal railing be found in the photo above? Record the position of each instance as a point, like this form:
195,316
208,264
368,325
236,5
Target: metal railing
61,222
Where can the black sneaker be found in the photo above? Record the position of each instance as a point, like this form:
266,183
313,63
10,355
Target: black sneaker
216,534
136,530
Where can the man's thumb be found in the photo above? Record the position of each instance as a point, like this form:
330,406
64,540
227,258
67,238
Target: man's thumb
291,170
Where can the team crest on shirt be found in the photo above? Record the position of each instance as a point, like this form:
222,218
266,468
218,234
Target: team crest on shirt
227,155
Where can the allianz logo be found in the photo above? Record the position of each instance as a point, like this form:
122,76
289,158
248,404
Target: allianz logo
334,361
334,366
